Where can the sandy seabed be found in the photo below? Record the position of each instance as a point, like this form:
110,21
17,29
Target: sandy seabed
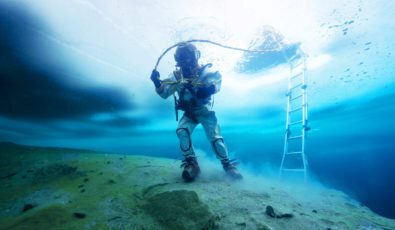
57,188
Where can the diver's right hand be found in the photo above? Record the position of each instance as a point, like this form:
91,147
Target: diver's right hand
155,78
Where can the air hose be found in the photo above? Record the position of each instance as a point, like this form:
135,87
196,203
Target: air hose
217,44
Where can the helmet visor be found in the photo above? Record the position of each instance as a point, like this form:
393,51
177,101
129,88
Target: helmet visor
186,55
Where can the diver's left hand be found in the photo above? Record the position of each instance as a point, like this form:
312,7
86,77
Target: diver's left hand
205,91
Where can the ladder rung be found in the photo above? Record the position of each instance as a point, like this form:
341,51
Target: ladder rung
297,75
301,85
293,153
294,98
296,122
295,137
298,63
294,170
296,86
297,109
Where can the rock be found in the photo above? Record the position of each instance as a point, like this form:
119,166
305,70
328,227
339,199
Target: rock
285,215
180,209
79,215
28,207
240,221
270,211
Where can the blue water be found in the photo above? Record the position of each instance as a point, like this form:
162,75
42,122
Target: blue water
67,83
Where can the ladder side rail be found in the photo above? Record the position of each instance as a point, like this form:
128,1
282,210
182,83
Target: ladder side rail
286,123
304,118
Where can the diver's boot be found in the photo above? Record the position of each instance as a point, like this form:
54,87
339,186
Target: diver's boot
191,169
231,170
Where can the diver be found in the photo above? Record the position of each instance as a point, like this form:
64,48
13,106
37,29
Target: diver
195,84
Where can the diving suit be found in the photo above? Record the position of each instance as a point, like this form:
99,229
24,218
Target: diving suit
195,86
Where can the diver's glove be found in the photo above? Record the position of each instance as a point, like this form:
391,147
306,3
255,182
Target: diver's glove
155,78
205,91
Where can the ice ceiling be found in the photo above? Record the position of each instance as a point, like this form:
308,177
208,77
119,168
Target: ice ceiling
96,44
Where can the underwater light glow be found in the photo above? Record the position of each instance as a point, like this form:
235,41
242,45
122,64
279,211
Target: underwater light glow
318,61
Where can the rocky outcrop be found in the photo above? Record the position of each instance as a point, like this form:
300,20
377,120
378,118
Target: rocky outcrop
180,209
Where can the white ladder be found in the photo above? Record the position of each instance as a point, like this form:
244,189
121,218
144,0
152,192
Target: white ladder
294,157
